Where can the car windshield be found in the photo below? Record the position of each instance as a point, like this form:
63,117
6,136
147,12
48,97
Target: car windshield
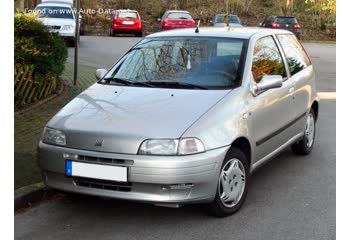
54,12
127,15
179,15
182,62
232,19
286,20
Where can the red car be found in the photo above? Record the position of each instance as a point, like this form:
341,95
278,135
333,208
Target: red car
126,21
176,19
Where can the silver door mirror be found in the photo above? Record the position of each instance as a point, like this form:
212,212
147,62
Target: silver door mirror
267,82
100,73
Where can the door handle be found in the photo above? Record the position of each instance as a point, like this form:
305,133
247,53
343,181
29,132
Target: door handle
291,89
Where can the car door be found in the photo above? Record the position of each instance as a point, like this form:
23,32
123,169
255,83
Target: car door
272,110
302,75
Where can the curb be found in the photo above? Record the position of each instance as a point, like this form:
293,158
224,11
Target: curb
28,196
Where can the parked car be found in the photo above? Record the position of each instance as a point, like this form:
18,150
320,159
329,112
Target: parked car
185,118
220,20
59,17
126,21
283,22
173,19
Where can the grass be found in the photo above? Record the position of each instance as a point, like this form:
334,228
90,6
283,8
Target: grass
29,125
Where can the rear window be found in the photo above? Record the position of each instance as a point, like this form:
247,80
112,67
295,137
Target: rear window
127,15
231,19
286,20
179,15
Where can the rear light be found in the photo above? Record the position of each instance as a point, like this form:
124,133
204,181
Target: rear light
296,25
275,25
166,21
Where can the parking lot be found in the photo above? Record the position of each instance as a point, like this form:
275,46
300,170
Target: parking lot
291,197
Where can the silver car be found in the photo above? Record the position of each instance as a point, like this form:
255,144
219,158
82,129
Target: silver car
185,117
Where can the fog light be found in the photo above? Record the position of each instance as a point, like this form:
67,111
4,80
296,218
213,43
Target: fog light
70,156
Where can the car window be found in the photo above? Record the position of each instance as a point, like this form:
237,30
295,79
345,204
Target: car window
296,56
232,19
179,15
286,20
127,14
54,12
213,63
267,59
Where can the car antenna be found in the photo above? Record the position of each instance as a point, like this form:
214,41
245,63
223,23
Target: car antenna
199,23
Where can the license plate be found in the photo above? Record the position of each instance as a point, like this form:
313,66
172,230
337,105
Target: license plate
96,171
128,22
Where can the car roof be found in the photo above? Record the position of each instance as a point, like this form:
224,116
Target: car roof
126,10
220,14
52,4
231,32
180,11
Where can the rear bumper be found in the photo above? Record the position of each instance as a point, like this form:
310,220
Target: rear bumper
154,179
126,28
175,27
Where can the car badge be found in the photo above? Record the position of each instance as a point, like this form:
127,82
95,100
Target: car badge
98,142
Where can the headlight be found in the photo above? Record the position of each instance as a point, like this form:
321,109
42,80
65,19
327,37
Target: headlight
67,27
54,136
183,146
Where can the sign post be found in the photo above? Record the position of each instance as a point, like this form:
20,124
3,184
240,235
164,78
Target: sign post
77,29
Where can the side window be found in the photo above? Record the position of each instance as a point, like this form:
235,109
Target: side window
267,59
296,56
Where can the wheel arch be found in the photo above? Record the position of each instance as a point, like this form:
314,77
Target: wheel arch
315,107
243,144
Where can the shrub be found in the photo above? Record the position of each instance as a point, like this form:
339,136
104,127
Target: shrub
36,46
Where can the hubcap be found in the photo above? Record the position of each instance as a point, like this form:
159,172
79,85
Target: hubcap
231,182
310,130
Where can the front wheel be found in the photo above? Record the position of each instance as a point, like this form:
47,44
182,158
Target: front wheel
305,145
232,184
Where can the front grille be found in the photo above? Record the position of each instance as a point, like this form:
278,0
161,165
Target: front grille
54,27
102,184
105,160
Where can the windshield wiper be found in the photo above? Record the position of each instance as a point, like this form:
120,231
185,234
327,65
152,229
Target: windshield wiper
126,82
176,84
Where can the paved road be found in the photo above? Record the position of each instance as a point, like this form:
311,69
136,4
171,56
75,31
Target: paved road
102,52
292,197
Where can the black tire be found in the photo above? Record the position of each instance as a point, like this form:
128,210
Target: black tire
302,147
114,33
138,34
217,208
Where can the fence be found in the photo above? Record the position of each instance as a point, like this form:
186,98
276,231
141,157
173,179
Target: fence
27,90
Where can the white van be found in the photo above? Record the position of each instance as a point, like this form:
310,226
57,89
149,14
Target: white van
59,17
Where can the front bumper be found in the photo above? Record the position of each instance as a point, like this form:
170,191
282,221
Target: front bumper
155,179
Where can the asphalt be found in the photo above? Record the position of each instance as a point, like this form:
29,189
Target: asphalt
291,197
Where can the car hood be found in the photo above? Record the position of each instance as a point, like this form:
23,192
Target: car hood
123,117
56,21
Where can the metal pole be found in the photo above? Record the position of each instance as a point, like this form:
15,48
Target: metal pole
76,42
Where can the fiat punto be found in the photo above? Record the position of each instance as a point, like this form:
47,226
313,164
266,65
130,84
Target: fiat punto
185,117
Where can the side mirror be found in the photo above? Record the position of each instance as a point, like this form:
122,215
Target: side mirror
158,19
100,73
260,24
211,21
266,83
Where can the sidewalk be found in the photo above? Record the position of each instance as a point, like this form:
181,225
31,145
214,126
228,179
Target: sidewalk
29,125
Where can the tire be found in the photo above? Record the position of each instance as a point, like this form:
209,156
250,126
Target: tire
113,33
138,34
305,145
223,208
